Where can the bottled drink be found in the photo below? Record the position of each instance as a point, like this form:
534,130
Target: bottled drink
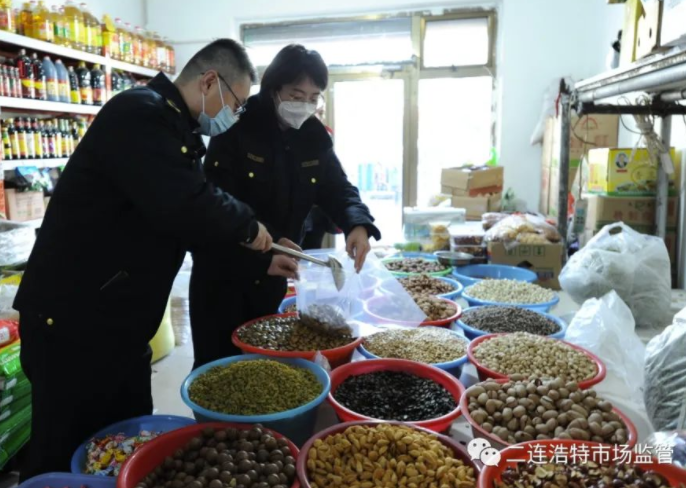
110,38
6,16
14,138
66,29
75,24
2,83
62,82
58,139
66,137
42,23
30,141
51,82
26,75
92,31
51,140
83,76
130,36
37,138
98,85
7,82
16,13
23,140
138,45
44,139
26,19
57,25
18,86
74,90
75,135
6,143
39,77
171,56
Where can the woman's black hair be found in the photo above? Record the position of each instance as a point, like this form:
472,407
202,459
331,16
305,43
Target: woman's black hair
293,64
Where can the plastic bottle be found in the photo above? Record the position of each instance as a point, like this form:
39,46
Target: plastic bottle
14,138
26,75
66,29
110,38
18,85
92,31
171,56
160,52
98,84
115,81
6,142
2,83
75,23
150,51
74,90
16,13
51,140
137,45
37,139
7,82
52,86
75,135
84,81
124,39
26,19
44,139
23,139
129,41
6,16
42,23
39,77
57,25
62,81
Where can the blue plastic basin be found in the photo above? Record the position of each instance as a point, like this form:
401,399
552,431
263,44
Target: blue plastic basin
130,428
473,333
287,302
538,307
452,367
473,273
296,424
69,480
455,294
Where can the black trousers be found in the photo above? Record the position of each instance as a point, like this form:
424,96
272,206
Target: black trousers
218,307
83,378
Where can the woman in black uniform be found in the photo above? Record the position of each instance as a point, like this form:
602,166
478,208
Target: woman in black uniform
278,159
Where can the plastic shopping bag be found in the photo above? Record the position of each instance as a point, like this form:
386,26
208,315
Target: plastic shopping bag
665,373
634,265
605,327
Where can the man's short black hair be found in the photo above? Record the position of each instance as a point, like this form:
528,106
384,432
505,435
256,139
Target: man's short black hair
226,56
293,64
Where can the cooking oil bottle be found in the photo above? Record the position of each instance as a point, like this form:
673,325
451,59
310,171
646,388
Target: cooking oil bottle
26,19
124,40
75,24
6,16
171,56
129,41
151,51
93,33
110,38
42,23
57,26
139,46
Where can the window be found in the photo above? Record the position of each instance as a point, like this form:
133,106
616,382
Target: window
458,42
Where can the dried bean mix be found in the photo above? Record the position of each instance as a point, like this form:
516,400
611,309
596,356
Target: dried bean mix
414,265
424,285
428,345
494,319
291,334
509,291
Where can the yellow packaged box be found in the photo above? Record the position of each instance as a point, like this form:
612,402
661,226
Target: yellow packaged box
614,172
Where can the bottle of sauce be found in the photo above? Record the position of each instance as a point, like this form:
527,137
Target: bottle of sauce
14,138
58,139
42,23
30,140
18,86
40,81
98,85
52,85
74,90
62,82
37,139
110,38
116,84
26,75
83,76
7,82
3,93
6,143
6,16
67,139
44,139
75,135
51,140
75,23
57,25
23,139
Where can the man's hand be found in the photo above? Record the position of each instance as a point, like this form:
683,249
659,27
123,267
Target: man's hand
289,244
357,246
263,241
284,266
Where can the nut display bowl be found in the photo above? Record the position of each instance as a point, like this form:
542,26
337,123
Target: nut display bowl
485,373
449,382
491,475
473,333
451,295
429,258
498,443
473,273
458,450
376,308
336,356
539,307
148,457
287,302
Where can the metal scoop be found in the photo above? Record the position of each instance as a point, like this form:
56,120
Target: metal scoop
333,263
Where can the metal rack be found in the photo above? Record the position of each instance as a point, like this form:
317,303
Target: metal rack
663,78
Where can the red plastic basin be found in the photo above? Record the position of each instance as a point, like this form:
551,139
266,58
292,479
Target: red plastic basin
458,450
336,357
498,443
491,474
146,459
485,373
371,305
448,381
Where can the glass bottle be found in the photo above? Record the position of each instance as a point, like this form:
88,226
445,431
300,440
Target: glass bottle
23,140
7,82
51,140
37,138
6,143
26,75
30,140
14,138
3,93
44,139
18,86
58,139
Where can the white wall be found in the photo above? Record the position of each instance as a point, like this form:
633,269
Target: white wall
538,41
132,11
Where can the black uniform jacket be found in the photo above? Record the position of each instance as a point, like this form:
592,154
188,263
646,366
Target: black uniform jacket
131,201
281,175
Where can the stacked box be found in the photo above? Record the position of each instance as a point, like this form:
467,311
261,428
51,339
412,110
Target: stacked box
477,189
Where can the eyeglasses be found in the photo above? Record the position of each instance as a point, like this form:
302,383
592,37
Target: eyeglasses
299,97
241,109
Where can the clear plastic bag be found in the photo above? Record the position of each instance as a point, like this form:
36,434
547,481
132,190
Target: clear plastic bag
634,265
665,386
606,327
671,442
16,242
318,297
523,229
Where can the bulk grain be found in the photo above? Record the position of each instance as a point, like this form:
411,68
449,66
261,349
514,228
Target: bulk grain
390,395
494,320
532,355
430,345
292,334
227,458
509,291
424,285
523,410
256,387
385,455
414,265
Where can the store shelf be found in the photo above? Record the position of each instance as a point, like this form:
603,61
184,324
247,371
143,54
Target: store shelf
43,106
132,68
40,163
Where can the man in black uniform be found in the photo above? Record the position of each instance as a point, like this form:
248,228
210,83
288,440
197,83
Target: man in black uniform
131,202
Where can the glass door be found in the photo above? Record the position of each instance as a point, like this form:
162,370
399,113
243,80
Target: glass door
368,118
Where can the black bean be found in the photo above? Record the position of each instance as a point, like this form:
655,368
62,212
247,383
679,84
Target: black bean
509,319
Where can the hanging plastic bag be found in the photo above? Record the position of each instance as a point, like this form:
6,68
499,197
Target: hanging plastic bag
317,296
634,265
522,229
665,386
673,443
606,327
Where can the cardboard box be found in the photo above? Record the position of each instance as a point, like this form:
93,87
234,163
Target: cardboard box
613,172
633,211
544,260
476,192
673,26
648,38
23,206
467,178
477,206
633,10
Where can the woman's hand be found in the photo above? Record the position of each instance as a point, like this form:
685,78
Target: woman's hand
357,246
289,244
283,266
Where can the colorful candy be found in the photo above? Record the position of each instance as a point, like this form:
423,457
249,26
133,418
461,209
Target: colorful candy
105,456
